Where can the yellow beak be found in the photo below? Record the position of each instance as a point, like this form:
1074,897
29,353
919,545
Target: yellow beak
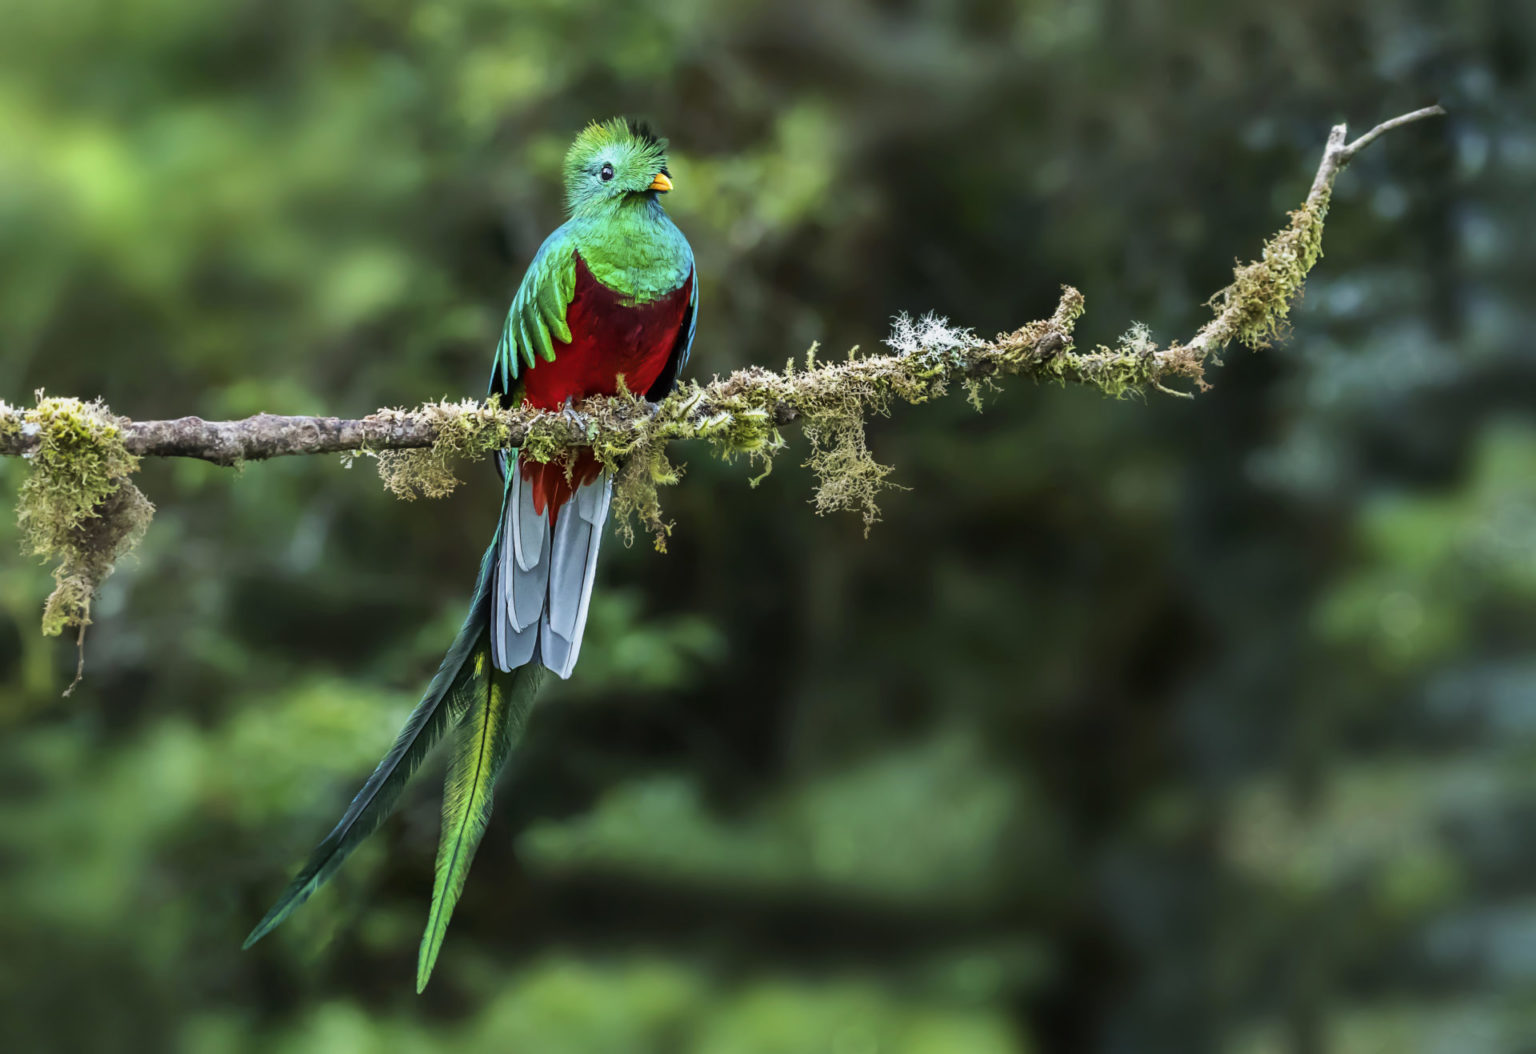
661,183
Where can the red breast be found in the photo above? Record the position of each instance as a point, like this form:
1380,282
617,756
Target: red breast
608,338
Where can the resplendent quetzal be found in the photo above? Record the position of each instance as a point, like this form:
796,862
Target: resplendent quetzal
610,293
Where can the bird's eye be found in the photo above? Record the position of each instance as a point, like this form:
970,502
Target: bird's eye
606,173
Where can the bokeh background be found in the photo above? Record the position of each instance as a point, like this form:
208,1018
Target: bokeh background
1135,726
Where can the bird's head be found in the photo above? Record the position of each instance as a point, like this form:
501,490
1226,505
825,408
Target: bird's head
614,162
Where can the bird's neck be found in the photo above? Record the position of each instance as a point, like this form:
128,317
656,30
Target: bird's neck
634,249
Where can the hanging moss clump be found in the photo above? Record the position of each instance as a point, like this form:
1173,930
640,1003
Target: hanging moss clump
78,505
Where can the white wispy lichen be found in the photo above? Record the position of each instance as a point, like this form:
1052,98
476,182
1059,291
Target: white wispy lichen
929,334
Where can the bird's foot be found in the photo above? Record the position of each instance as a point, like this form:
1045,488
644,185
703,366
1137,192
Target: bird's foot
575,416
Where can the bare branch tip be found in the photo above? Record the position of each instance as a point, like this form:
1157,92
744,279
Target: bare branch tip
1386,126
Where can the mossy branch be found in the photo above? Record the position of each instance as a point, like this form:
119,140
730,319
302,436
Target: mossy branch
79,507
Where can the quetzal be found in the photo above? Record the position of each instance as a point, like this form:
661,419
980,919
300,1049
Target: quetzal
610,294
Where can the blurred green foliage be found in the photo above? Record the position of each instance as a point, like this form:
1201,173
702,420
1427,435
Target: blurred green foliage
1154,726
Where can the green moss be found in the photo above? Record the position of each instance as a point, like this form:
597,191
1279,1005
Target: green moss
1253,310
466,430
848,478
77,506
1262,291
636,493
630,439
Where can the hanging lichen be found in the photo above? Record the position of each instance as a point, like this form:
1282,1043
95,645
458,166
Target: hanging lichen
466,430
77,506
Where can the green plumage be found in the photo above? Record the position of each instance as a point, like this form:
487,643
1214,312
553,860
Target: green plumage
613,173
635,251
485,736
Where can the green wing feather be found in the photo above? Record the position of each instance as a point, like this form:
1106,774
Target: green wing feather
537,316
485,735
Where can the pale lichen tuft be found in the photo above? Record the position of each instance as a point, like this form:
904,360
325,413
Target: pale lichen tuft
929,334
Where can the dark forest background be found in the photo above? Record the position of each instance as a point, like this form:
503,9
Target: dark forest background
1141,725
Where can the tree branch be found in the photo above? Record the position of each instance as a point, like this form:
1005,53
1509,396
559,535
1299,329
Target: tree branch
1041,349
79,506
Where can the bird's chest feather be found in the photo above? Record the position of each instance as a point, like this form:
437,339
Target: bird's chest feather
609,337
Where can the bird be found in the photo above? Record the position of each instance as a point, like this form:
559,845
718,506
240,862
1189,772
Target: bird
609,301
